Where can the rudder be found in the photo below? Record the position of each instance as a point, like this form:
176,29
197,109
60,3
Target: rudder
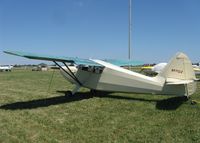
179,75
179,67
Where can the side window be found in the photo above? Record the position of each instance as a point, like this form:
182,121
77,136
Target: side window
93,69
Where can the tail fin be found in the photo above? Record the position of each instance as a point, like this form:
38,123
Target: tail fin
179,75
179,67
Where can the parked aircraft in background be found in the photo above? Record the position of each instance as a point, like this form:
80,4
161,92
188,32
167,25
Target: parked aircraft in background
5,68
153,70
196,69
177,78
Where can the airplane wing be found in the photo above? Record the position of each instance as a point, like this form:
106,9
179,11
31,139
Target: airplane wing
73,60
77,61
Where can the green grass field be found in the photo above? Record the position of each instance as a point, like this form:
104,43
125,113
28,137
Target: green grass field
29,112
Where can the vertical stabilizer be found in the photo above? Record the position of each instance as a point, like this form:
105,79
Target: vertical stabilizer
179,67
179,75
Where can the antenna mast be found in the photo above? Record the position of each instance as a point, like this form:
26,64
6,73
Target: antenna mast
130,29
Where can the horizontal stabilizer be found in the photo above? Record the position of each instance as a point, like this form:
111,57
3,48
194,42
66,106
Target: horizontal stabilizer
171,81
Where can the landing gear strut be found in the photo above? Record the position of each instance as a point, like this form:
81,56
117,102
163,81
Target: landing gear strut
71,93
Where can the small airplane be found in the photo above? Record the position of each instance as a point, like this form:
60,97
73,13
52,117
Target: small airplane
153,70
196,69
177,78
5,68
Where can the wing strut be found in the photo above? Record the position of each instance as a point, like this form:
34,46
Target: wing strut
75,78
70,73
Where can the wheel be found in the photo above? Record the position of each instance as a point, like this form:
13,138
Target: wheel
92,91
68,94
97,92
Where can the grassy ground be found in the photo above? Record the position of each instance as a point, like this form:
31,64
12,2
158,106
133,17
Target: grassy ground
29,112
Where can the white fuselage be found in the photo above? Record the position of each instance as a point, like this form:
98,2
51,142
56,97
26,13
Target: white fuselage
116,79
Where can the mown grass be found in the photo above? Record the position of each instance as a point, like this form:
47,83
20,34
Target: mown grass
29,112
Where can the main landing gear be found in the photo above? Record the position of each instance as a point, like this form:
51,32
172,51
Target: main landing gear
71,93
73,76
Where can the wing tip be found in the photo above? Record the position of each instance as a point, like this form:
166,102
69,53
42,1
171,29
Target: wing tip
13,53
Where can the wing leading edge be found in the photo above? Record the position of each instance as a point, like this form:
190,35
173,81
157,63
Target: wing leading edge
77,61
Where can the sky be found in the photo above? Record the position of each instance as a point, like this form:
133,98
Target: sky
99,29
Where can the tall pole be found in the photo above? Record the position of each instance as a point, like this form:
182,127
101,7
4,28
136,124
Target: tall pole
130,29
